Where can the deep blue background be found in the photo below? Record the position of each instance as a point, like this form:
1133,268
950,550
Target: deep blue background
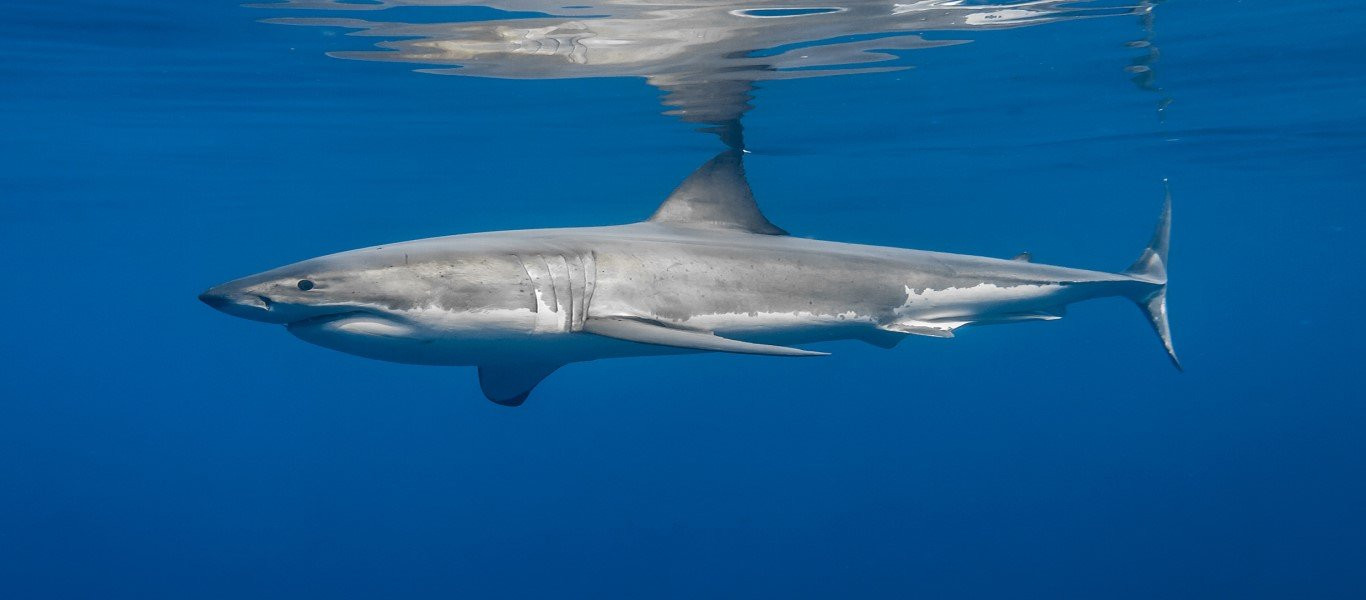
153,448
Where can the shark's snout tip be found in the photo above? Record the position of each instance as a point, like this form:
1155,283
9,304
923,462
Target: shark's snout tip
214,299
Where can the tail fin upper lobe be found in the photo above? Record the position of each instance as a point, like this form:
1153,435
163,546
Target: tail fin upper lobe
1151,267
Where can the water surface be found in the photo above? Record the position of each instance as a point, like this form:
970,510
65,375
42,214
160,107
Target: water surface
151,447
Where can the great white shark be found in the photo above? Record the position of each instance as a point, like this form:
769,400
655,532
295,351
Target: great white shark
706,273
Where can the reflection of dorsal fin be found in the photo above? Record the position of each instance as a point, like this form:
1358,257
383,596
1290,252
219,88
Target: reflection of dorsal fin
1024,257
716,195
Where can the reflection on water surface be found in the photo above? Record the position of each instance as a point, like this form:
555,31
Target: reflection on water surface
706,55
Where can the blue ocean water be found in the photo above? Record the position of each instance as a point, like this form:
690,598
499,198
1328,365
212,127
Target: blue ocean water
153,448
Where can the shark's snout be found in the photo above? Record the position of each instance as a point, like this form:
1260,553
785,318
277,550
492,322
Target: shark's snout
215,300
240,304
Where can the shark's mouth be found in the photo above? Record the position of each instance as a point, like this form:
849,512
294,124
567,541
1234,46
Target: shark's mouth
320,320
351,324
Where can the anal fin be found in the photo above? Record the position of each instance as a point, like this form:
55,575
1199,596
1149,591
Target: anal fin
646,332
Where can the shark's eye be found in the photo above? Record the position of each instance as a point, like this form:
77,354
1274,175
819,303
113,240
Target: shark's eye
305,285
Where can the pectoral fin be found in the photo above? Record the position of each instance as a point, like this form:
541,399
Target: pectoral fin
646,332
510,383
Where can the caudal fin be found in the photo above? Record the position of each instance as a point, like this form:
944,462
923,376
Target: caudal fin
1151,268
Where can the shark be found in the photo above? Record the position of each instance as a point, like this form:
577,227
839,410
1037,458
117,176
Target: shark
707,272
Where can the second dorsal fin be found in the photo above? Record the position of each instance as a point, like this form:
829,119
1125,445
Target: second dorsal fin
716,195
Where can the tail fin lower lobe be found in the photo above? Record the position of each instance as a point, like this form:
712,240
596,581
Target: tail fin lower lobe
1151,268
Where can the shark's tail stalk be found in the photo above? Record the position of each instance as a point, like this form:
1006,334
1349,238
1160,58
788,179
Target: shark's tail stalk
1151,268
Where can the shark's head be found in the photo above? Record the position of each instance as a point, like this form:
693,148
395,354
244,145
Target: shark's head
286,295
411,302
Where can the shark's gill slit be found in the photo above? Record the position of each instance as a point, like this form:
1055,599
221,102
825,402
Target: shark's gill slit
590,283
569,296
574,270
535,303
554,303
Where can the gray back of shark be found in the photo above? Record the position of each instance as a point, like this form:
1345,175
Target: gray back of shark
707,272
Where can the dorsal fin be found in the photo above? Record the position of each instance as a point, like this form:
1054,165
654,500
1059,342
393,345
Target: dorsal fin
1024,257
716,195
